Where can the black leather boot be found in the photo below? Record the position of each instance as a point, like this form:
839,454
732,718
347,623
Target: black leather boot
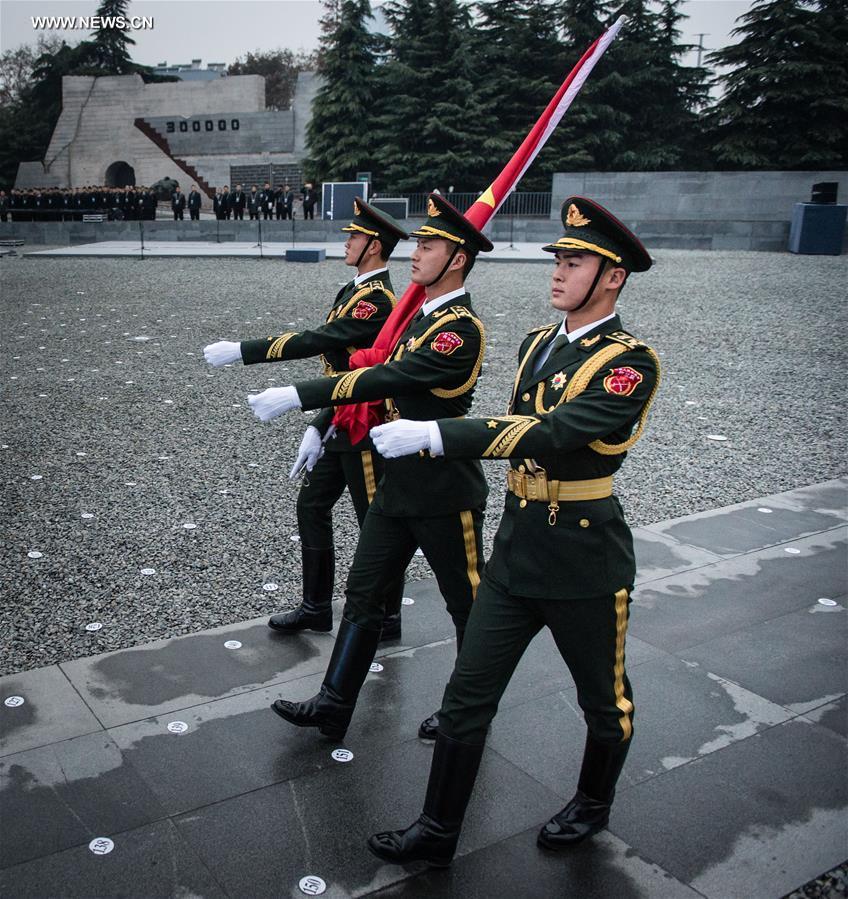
331,709
588,811
391,616
315,613
429,727
433,837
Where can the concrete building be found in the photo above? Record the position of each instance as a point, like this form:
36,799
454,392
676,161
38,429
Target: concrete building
192,71
118,130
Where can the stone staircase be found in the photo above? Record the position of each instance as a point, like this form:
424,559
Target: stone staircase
161,142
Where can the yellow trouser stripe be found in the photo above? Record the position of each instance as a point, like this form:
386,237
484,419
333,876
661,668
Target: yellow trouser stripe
368,472
621,700
470,550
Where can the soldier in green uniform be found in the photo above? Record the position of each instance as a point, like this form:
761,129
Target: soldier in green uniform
358,313
432,503
563,554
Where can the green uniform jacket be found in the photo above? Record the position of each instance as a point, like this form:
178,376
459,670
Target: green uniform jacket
588,551
431,373
356,317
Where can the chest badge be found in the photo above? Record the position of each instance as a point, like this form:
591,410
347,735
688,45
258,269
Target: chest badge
558,380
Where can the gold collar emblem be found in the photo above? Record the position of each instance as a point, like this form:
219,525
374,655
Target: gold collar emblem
590,341
574,218
432,208
558,380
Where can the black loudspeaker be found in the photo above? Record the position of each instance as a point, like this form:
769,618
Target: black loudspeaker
825,192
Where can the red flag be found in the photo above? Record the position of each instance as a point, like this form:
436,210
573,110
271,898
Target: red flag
359,418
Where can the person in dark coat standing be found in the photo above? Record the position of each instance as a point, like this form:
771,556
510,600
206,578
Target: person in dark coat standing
310,197
288,202
219,204
237,203
563,554
178,203
254,203
194,202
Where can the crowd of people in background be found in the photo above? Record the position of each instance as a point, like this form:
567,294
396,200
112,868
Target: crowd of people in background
266,203
61,204
58,204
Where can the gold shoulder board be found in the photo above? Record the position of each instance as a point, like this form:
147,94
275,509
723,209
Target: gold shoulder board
462,312
543,328
628,340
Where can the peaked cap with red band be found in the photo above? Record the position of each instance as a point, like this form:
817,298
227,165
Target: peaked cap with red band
589,228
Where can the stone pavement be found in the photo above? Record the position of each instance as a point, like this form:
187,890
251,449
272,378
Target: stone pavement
735,786
503,252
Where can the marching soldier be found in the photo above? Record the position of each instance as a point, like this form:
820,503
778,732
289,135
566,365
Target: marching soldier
356,317
434,504
563,554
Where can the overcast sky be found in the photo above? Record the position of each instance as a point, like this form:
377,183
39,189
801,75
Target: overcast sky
221,30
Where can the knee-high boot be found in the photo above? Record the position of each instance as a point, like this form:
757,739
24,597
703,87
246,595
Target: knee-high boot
391,615
429,727
331,709
588,811
315,613
433,837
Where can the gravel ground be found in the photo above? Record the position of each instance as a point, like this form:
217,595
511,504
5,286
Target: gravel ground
131,437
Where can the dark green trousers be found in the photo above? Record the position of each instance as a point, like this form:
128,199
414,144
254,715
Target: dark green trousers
590,635
321,490
452,544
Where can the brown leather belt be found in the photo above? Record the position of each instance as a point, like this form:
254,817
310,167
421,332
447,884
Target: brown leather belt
538,488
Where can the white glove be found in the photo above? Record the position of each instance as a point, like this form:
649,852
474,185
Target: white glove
311,450
222,353
273,402
401,438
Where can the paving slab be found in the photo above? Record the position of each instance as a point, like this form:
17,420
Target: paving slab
799,660
157,678
52,710
318,824
63,795
599,869
757,819
761,523
735,785
696,606
683,711
151,861
658,555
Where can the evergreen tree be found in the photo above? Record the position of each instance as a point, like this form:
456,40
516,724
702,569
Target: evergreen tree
112,43
639,108
517,65
432,131
340,132
785,100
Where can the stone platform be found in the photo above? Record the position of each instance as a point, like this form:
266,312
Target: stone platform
735,786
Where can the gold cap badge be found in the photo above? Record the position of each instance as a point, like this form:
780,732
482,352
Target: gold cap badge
575,219
432,209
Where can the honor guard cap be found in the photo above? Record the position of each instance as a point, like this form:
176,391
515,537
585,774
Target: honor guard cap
589,228
375,223
446,222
